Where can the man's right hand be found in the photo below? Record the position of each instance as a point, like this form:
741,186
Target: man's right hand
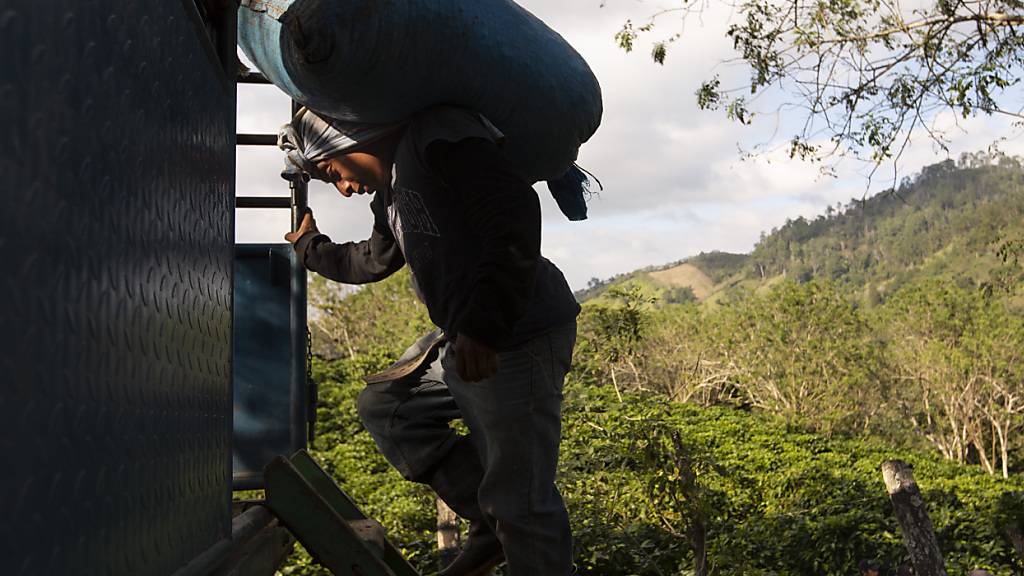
474,360
308,224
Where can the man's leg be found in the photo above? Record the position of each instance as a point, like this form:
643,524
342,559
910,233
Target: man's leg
515,419
409,420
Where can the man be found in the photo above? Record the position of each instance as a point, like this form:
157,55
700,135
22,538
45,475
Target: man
448,204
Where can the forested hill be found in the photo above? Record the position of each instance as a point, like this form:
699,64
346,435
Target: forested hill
948,221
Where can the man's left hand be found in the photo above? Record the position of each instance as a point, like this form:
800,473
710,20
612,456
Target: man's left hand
308,224
474,360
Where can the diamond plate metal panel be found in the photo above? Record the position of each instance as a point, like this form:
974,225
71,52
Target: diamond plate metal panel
116,177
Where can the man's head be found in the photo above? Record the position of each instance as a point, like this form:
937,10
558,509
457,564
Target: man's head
355,157
363,170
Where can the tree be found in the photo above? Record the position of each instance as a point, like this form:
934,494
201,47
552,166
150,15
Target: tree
613,333
803,351
864,75
959,353
349,321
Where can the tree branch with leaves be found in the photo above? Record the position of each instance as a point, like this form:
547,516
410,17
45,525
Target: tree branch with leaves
863,76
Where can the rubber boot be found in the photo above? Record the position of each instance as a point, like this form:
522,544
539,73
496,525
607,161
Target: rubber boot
456,481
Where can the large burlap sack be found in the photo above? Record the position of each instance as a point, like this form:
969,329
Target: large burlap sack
384,60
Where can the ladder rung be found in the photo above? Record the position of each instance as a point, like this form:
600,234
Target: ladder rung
302,474
251,77
371,532
263,202
327,536
256,139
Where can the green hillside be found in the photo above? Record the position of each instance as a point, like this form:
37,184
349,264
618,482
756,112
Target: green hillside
949,221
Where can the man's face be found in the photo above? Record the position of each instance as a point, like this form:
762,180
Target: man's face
353,173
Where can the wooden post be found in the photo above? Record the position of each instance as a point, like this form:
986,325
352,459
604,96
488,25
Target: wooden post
447,535
918,533
699,541
1017,540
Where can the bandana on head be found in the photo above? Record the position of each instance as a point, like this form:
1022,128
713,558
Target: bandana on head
310,139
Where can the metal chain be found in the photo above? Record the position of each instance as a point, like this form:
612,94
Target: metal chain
312,387
309,355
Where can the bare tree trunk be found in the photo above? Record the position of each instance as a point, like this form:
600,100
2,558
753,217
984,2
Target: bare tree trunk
615,383
1005,453
918,533
348,343
1004,450
448,538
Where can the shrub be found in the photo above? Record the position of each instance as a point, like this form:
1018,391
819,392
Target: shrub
639,474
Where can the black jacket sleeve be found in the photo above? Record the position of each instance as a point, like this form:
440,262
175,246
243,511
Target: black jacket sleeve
504,212
352,262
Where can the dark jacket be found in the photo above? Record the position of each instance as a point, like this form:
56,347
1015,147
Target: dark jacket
469,227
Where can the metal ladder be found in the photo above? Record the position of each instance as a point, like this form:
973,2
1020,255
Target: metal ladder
299,197
304,498
297,201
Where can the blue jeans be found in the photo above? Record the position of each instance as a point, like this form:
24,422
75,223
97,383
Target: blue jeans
514,419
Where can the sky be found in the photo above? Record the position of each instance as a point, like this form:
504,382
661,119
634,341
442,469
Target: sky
675,181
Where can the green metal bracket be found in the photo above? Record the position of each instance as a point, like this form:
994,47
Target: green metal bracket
327,522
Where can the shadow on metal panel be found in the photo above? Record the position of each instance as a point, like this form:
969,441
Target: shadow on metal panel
117,184
270,382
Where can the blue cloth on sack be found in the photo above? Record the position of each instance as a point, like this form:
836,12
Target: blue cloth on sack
571,192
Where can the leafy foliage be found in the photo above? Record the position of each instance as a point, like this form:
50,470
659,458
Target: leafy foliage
639,474
937,365
949,221
351,322
863,75
774,499
958,352
803,350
